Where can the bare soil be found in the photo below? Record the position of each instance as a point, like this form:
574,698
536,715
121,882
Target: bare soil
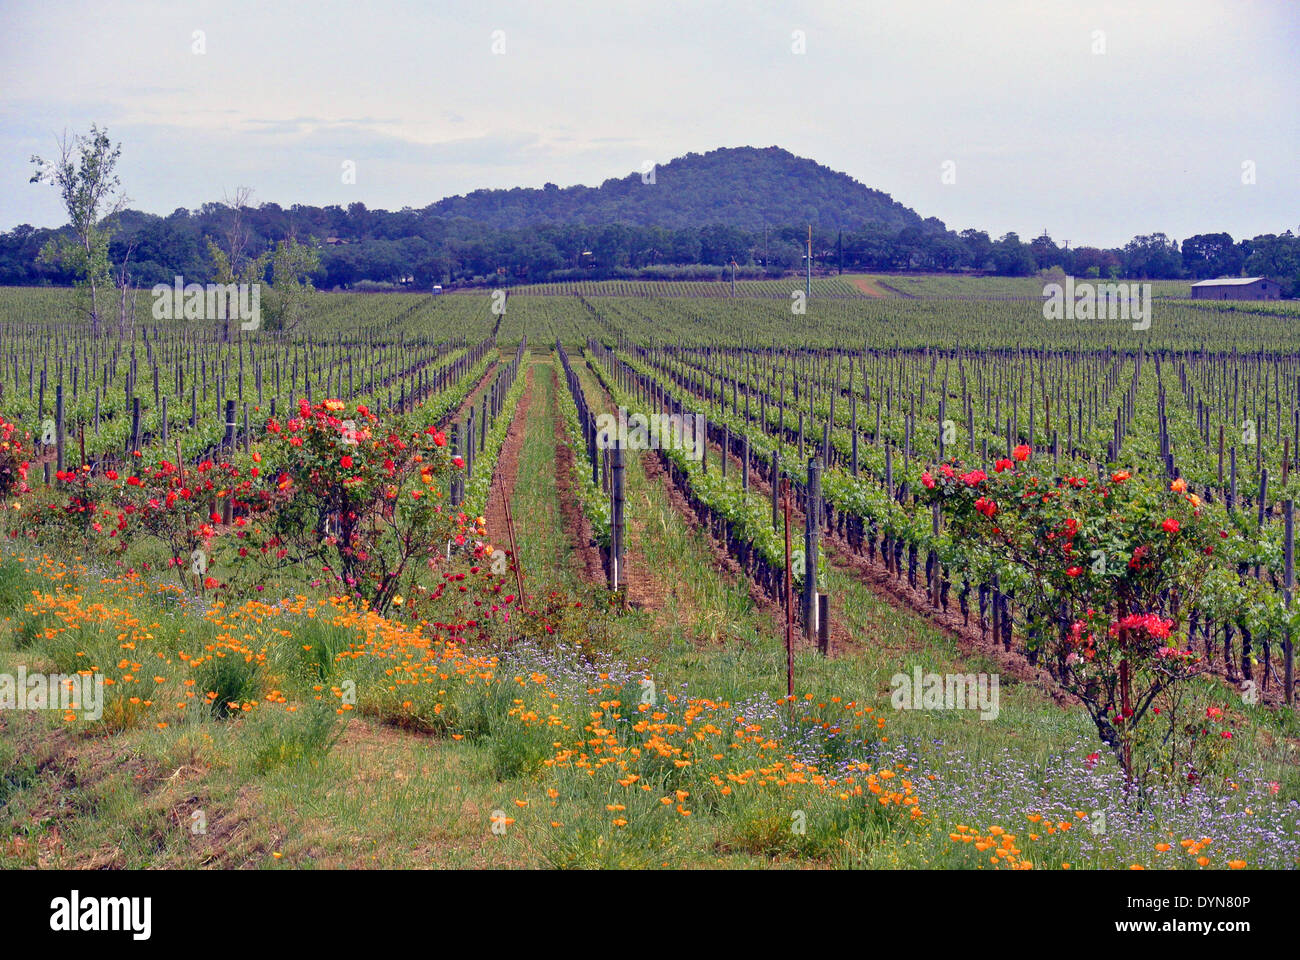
508,469
586,556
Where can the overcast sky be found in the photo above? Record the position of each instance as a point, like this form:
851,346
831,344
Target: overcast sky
1093,120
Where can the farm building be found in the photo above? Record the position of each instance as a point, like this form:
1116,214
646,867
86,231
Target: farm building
1236,288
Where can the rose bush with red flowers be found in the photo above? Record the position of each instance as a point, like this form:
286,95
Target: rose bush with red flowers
1103,574
331,497
127,514
346,496
13,468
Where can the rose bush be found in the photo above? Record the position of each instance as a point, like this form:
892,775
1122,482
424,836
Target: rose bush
1105,572
127,514
330,496
13,468
344,495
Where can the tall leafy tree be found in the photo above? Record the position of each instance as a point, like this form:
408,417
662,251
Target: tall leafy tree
1211,255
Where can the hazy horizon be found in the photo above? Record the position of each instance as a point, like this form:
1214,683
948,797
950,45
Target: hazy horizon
1045,122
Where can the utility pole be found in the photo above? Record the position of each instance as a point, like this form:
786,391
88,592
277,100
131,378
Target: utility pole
807,289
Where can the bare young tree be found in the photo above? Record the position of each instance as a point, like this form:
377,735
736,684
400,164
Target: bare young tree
85,174
237,233
231,263
126,315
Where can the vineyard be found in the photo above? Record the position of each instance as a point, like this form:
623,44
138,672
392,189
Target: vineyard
628,570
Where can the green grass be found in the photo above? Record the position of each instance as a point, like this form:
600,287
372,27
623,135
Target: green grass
535,507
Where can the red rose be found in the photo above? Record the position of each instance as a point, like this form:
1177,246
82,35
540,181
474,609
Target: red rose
1170,525
1021,452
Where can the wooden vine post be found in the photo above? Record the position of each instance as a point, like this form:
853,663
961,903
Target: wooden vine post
1288,584
811,534
58,428
617,495
510,532
789,595
1126,706
457,484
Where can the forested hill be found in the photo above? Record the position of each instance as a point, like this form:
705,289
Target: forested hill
687,219
744,187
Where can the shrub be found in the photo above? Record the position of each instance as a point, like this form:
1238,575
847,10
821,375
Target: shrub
1104,572
289,738
342,493
13,469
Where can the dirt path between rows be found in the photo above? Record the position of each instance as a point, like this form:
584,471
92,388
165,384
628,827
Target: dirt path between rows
473,396
586,556
645,590
508,469
865,285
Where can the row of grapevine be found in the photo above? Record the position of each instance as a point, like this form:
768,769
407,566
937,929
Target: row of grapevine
868,488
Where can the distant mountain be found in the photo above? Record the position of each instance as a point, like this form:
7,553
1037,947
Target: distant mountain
742,187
